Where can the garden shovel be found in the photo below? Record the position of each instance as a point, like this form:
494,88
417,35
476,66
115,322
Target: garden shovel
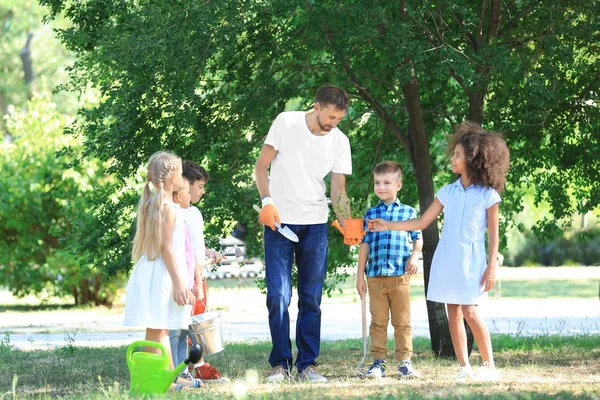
363,308
285,231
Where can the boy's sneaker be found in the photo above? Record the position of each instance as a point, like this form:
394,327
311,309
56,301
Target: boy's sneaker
487,374
311,374
464,373
377,369
278,374
406,370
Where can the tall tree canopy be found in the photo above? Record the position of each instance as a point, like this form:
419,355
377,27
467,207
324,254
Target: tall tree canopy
206,79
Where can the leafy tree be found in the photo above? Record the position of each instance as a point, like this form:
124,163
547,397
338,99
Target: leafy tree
206,80
39,200
29,50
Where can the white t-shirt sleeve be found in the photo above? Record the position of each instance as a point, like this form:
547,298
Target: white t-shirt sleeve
343,162
275,132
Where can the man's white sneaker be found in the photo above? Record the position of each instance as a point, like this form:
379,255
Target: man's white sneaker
278,374
487,374
464,373
311,374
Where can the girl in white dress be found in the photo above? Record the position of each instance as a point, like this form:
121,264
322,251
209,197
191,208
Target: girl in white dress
158,296
460,275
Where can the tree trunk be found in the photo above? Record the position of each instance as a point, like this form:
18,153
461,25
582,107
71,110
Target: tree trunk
439,332
25,54
476,106
3,113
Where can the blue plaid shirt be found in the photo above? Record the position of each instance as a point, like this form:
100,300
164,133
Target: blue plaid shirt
389,250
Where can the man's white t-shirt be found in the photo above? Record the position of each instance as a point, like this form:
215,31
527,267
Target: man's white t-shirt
195,224
302,161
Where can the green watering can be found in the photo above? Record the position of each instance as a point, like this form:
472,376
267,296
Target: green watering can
149,372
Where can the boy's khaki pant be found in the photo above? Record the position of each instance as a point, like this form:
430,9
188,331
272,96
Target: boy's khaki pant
390,295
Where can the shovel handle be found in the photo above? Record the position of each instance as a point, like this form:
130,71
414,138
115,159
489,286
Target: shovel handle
363,306
256,208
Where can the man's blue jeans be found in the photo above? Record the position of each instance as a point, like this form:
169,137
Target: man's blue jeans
310,254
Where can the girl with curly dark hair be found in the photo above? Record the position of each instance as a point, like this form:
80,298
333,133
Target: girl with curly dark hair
460,274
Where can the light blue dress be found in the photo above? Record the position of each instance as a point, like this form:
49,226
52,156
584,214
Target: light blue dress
460,257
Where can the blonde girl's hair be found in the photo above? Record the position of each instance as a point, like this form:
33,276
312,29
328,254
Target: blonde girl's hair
148,233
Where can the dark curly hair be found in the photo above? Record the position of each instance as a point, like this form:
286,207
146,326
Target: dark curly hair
486,154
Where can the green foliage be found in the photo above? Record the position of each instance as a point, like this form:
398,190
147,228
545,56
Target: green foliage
18,19
583,248
355,207
207,81
40,198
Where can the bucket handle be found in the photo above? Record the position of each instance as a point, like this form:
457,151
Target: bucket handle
205,307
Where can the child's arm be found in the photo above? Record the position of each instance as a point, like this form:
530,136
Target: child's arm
416,224
488,280
215,255
363,256
411,264
198,292
181,294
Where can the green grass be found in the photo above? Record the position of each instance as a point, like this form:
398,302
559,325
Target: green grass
547,288
539,367
519,289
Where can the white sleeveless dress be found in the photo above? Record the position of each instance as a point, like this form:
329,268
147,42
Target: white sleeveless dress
149,298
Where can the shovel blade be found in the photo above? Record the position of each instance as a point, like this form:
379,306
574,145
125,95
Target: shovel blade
287,232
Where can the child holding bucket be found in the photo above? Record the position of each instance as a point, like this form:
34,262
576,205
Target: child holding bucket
197,178
157,296
179,337
389,263
460,274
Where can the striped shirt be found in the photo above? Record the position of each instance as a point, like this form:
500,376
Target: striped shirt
389,250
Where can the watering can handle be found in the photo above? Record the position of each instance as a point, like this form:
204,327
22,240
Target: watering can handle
139,343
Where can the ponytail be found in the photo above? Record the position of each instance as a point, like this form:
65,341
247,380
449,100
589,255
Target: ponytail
148,234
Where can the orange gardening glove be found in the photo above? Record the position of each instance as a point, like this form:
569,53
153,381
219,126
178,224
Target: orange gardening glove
268,216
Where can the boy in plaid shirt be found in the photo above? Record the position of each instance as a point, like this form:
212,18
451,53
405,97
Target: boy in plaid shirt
387,259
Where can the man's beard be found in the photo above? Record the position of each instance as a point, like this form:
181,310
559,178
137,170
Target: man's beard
323,128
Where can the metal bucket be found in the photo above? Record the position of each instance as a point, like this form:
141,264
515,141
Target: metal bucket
206,330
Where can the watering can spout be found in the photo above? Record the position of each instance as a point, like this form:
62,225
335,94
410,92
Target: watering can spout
194,357
336,224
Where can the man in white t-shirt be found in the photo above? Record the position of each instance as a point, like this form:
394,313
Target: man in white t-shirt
301,149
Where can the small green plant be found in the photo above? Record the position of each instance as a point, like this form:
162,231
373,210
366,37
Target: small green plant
354,208
5,344
69,348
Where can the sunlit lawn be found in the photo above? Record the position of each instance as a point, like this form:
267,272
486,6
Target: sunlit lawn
542,367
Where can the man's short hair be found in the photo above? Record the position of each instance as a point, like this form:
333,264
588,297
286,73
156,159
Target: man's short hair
386,167
193,172
332,95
